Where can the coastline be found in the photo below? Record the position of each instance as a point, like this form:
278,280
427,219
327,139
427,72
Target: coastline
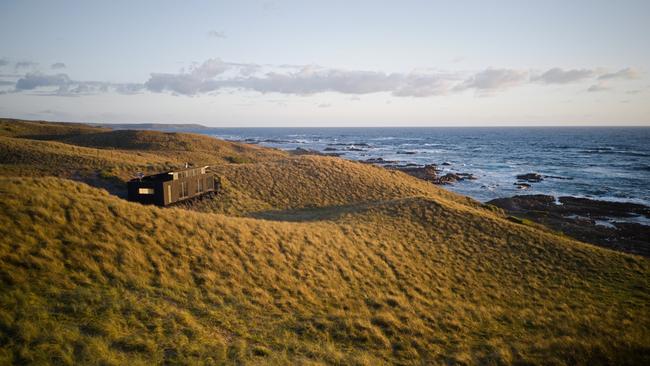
621,226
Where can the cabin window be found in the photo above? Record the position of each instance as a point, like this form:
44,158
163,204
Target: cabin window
199,185
145,190
183,189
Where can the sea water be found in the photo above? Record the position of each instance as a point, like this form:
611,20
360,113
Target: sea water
600,163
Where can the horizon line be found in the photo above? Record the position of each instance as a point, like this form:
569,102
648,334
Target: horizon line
203,124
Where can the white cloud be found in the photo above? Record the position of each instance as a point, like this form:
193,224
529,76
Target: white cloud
598,88
305,80
25,64
215,74
216,34
62,85
32,81
199,79
626,73
559,76
57,65
494,79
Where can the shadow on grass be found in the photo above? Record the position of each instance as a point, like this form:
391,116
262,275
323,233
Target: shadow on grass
328,213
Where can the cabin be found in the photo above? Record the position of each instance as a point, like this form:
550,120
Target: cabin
170,187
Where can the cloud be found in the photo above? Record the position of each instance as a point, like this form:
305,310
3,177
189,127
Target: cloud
199,79
32,81
216,34
598,88
626,73
129,88
305,80
3,62
310,80
62,85
559,76
214,75
57,65
25,64
494,79
324,105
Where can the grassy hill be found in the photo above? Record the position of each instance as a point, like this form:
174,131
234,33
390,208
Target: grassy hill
182,146
299,260
44,129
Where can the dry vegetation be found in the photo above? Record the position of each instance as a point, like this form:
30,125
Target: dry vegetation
336,263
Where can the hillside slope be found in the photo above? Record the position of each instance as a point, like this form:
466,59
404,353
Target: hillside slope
89,278
199,149
44,130
298,260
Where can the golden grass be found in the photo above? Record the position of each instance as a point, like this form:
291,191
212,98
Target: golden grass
313,181
43,129
199,149
31,157
88,278
337,263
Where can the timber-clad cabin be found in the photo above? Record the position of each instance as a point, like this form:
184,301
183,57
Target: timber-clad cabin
170,187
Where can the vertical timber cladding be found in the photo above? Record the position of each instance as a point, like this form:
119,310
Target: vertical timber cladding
170,187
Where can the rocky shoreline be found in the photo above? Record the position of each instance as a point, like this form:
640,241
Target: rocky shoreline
608,224
615,225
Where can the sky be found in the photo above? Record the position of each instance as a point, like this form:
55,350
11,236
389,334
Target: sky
327,63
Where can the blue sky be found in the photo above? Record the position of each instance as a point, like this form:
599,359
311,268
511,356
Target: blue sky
327,63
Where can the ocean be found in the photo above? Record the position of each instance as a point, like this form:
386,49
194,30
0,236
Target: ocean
601,163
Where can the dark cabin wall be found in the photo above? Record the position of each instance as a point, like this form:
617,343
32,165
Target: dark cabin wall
147,199
169,191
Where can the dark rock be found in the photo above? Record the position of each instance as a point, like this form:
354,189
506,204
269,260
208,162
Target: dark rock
596,208
468,176
446,163
583,219
404,152
430,174
378,161
276,141
302,151
427,172
557,177
362,144
448,178
537,202
330,149
530,177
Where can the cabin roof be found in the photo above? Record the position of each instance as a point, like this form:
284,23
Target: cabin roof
171,174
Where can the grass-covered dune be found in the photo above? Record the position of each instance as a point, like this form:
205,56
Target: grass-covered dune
44,129
70,149
188,146
298,260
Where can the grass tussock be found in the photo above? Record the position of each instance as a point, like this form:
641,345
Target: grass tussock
298,260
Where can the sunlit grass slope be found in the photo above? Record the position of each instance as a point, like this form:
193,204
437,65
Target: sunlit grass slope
313,181
88,278
297,260
199,149
43,129
73,150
